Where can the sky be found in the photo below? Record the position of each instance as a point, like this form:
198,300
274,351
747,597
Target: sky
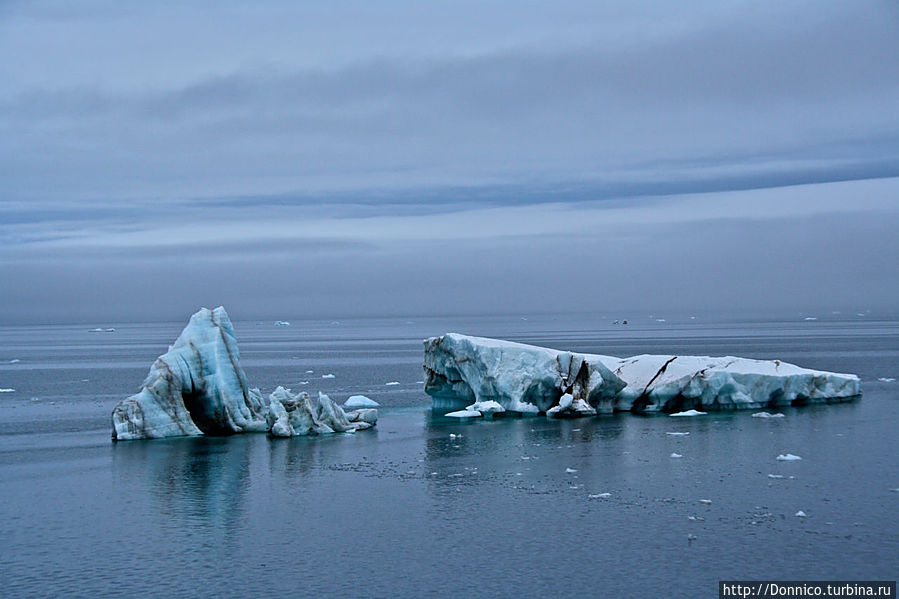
313,159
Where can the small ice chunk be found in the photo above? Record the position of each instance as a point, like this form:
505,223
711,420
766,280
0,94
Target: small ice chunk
767,415
15,361
800,514
886,379
599,496
303,383
392,383
810,318
705,501
463,414
690,413
7,390
676,455
355,402
328,376
676,434
309,371
570,470
788,457
776,476
489,407
282,323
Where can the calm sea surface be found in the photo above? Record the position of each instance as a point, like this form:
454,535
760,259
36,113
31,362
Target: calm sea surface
406,510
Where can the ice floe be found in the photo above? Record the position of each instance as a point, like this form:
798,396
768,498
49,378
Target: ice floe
788,457
282,323
354,402
675,434
767,415
391,383
689,413
464,414
7,390
800,514
462,370
328,376
599,496
886,379
676,455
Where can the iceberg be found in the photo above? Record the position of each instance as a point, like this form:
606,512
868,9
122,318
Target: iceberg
293,415
199,388
469,371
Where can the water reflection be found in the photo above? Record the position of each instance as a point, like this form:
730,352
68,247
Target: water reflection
202,481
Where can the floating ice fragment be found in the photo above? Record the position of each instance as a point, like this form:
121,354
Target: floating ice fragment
15,361
570,470
7,390
463,414
354,402
705,501
691,538
282,323
676,434
99,330
800,514
303,383
309,371
690,413
886,379
392,383
767,415
599,496
776,476
788,457
676,455
328,376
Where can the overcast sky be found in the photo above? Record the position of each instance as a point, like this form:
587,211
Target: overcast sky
342,158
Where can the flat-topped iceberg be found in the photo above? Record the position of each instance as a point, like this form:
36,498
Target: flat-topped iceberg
199,388
472,371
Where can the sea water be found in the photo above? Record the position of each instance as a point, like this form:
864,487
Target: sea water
429,506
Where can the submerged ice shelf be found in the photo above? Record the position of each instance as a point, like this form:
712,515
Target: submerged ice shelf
199,388
472,372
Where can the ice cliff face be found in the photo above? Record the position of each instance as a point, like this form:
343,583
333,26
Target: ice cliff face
478,372
199,388
520,378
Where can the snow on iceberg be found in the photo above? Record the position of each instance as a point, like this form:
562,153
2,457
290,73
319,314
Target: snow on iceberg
462,370
199,388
